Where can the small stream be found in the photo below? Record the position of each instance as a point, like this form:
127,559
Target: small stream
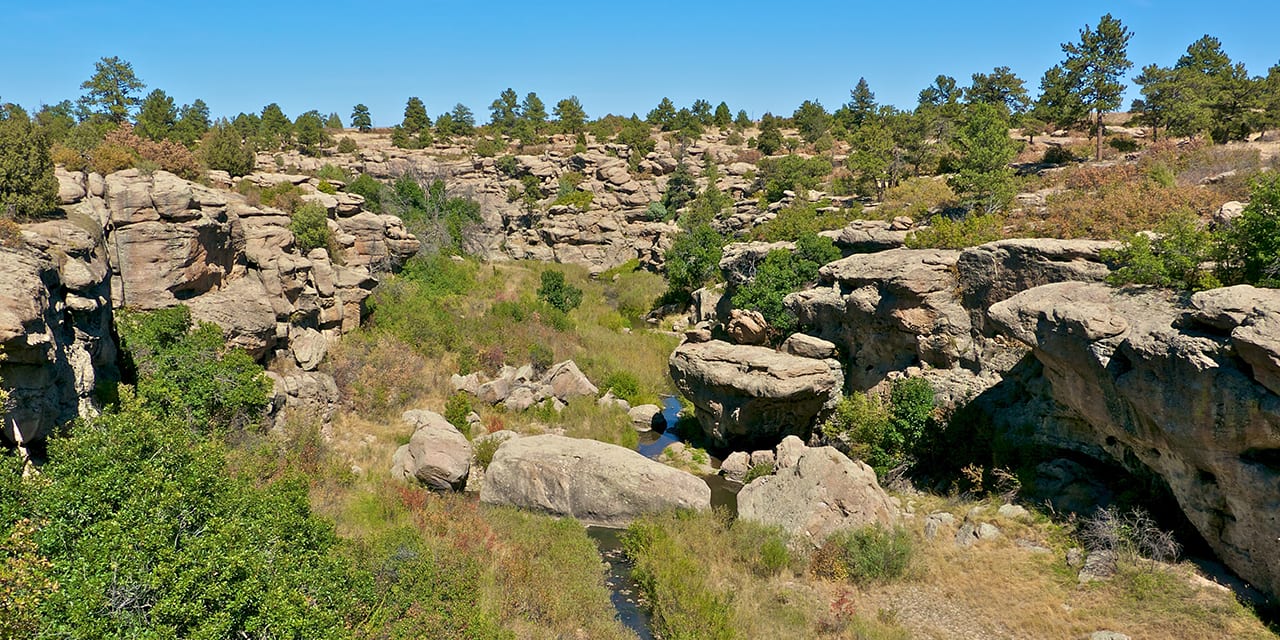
632,609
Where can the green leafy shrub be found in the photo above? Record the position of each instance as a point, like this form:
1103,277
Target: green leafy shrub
623,384
541,357
916,198
801,218
791,173
884,434
456,409
656,211
947,233
484,450
310,226
27,184
580,200
324,186
284,196
1175,256
370,189
557,293
1250,246
865,556
489,147
330,171
347,145
684,604
224,149
693,259
758,471
781,273
188,373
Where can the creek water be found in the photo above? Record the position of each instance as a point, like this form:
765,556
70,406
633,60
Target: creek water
632,610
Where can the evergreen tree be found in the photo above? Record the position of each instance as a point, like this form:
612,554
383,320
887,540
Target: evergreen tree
360,118
225,148
1002,88
533,111
1059,102
1098,63
662,115
334,122
464,121
984,180
770,139
157,117
112,91
415,117
742,121
275,129
310,132
570,115
861,107
193,122
701,110
874,160
811,120
56,121
504,112
722,117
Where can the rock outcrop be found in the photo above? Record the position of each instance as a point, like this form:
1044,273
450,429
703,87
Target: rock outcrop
746,395
437,455
597,483
814,492
153,240
1181,393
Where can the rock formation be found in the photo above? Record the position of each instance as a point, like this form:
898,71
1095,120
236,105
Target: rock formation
437,454
597,483
748,395
814,492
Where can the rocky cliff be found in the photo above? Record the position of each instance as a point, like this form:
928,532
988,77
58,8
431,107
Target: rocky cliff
149,241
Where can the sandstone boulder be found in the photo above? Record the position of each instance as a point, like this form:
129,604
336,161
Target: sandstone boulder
745,395
568,382
437,455
647,417
597,483
747,327
815,493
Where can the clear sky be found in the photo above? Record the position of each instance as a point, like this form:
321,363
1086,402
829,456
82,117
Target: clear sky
616,57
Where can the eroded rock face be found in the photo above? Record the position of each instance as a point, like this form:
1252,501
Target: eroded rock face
1171,390
597,483
814,492
746,396
437,455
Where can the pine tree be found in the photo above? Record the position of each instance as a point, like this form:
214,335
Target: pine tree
570,115
415,116
27,184
111,91
1098,63
360,118
157,117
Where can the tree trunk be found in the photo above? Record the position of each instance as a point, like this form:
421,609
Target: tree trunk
1098,122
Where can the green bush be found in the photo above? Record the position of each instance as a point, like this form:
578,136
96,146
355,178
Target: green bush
580,200
324,186
188,373
693,259
456,409
330,171
865,556
347,145
684,604
947,233
1250,246
758,471
284,196
792,173
1123,145
801,218
541,357
484,450
557,293
310,226
370,189
657,212
883,434
623,384
489,147
1175,257
224,149
781,273
1058,155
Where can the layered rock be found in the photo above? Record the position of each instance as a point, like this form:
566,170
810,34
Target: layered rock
746,396
437,455
597,483
814,492
1184,393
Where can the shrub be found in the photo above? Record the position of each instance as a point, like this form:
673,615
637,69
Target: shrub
758,471
347,145
171,156
623,384
324,186
1058,155
781,273
368,187
70,159
223,149
1250,246
865,556
507,166
917,198
333,172
484,450
284,196
883,434
489,147
684,604
1123,145
656,212
1129,535
799,219
580,200
27,184
541,357
947,233
310,226
456,409
187,372
110,158
557,293
791,173
1172,257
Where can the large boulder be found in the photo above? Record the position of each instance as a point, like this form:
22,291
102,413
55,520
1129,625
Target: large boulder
815,492
1178,394
567,381
437,455
597,483
746,395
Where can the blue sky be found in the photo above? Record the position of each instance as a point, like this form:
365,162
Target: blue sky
616,57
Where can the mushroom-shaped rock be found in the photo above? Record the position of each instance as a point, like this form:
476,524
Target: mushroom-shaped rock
747,395
815,492
438,455
598,483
